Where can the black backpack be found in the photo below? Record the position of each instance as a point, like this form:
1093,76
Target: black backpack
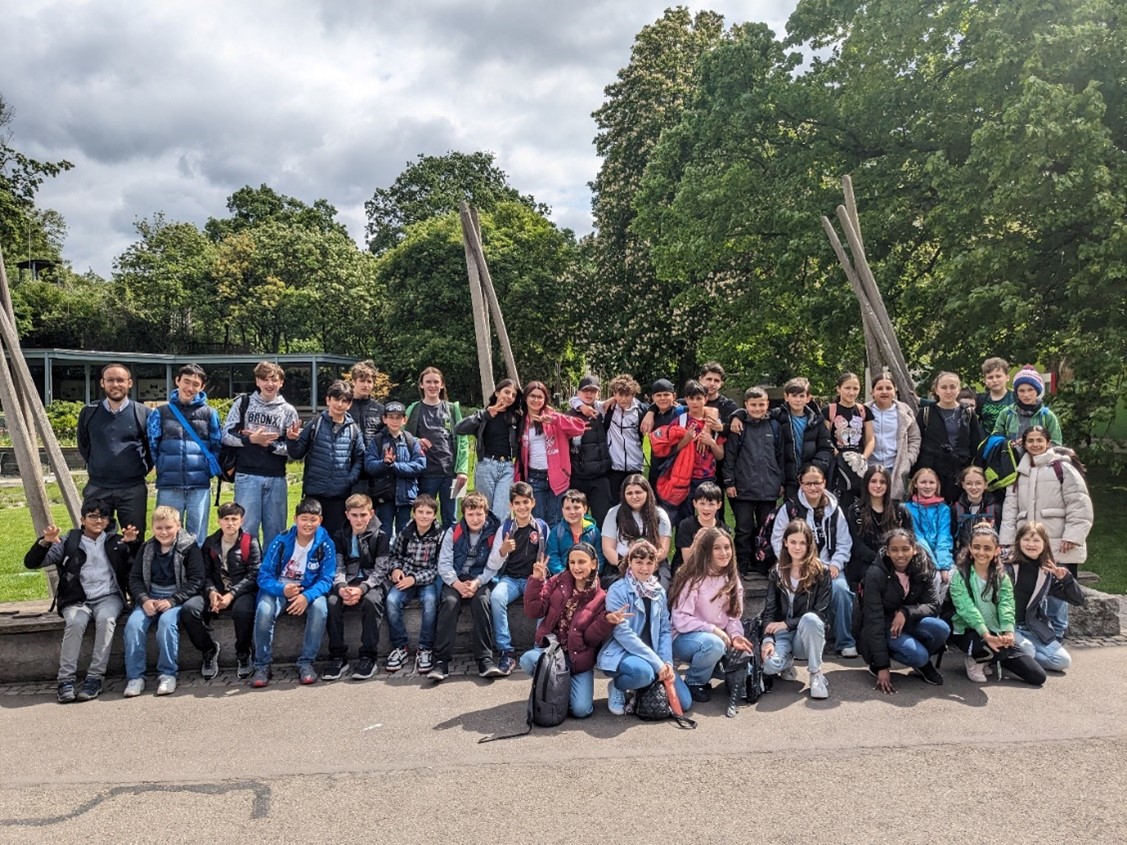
550,697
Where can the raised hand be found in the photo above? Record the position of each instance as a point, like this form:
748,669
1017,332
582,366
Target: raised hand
51,534
620,615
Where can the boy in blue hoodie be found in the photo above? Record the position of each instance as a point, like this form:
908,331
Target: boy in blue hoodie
577,526
296,575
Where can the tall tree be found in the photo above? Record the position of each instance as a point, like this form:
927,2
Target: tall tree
252,207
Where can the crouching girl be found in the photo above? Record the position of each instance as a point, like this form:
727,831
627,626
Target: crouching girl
1037,577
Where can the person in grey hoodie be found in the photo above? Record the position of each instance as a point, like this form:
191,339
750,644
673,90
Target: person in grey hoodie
260,467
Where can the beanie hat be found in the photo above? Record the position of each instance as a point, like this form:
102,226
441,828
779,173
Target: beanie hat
662,386
1028,375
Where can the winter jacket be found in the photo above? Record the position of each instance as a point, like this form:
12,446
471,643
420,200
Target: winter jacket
68,557
626,638
242,574
630,430
963,519
1015,419
932,525
320,567
179,460
399,480
474,425
754,460
457,444
699,609
276,416
187,564
935,450
1031,597
777,607
907,448
454,560
371,567
881,597
558,430
832,535
115,446
334,455
866,543
590,452
588,629
968,616
368,415
816,447
416,554
1061,501
560,541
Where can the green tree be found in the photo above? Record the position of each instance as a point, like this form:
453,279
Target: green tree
252,207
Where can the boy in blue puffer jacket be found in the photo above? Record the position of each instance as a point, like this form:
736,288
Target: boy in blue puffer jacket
394,461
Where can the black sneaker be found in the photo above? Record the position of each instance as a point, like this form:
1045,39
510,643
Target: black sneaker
66,692
486,668
338,666
440,672
244,667
506,664
364,669
91,689
930,674
700,693
210,667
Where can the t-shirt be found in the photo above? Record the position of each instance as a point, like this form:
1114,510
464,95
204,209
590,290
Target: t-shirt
950,417
989,409
847,427
610,527
687,530
529,546
537,445
163,574
432,424
495,439
294,569
96,575
886,427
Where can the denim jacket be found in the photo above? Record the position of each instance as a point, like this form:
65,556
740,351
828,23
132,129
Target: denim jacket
626,638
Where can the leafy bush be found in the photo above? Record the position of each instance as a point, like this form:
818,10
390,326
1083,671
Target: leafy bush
63,417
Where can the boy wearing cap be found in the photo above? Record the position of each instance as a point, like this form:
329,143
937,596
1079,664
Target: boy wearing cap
590,451
1027,410
394,461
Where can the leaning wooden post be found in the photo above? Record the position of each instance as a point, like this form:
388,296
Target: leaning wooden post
478,306
491,297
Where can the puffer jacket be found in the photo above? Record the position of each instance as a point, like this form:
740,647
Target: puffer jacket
334,455
588,629
590,451
399,480
881,597
1061,502
816,447
179,460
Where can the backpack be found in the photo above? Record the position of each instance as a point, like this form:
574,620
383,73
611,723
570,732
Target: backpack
550,696
757,683
228,455
996,458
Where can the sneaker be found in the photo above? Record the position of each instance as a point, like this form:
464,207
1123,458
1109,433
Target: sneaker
260,678
166,685
424,659
244,667
210,667
396,659
616,700
929,674
486,668
440,672
306,674
789,673
338,666
91,688
134,688
507,663
819,687
700,693
848,651
65,692
365,668
974,670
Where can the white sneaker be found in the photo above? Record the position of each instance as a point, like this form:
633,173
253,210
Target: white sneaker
789,673
396,659
848,651
134,688
974,670
616,700
819,687
166,685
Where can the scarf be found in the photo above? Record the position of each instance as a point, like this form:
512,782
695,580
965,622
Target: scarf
1027,410
648,589
928,501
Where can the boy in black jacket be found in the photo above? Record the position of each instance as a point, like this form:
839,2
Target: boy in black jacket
754,463
805,437
93,564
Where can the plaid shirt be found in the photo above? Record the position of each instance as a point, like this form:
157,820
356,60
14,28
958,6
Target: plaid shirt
417,555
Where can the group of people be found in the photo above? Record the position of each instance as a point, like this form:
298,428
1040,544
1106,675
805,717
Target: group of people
873,525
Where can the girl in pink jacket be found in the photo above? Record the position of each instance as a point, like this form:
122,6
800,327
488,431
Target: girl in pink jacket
545,456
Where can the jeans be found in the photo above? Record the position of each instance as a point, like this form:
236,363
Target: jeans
636,673
493,479
841,612
371,607
129,504
505,591
193,504
266,614
805,642
1058,615
702,650
265,498
917,643
581,699
547,505
1052,655
393,518
195,618
104,611
428,601
168,637
439,487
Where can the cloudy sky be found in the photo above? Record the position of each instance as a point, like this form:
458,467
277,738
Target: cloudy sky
172,106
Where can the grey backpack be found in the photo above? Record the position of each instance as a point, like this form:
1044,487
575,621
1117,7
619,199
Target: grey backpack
551,691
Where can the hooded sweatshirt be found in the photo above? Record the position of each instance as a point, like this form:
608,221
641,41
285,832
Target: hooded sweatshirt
275,416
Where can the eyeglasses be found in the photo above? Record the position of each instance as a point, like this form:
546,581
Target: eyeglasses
821,482
97,516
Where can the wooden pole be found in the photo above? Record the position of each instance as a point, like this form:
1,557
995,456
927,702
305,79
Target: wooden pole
478,306
491,297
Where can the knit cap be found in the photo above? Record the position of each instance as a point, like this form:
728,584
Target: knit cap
1028,375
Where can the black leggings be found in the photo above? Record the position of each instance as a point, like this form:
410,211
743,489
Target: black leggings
1013,661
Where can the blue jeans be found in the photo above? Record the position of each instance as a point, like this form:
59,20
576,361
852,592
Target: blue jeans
1058,615
393,518
493,479
636,673
917,643
428,600
439,487
702,651
168,638
506,590
1052,655
193,503
266,614
547,505
581,699
841,612
264,498
805,642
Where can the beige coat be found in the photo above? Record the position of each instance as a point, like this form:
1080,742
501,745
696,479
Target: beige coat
907,449
1062,504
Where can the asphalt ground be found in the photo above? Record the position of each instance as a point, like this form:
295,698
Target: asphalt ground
397,760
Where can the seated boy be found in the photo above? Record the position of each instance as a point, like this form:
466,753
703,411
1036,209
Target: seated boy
394,461
414,573
167,571
360,582
706,506
523,542
231,560
753,472
93,564
296,574
577,526
462,560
